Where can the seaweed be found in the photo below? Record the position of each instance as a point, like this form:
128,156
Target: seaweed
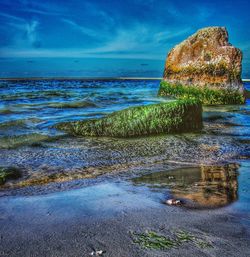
205,95
155,241
172,117
152,240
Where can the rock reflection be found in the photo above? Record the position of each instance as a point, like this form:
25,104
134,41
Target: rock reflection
204,186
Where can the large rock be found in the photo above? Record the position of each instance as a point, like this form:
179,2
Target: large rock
205,59
170,117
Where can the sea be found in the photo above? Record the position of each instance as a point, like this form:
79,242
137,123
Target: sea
35,99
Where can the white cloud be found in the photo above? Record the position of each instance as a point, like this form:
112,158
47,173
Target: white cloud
84,30
25,33
31,30
138,41
12,17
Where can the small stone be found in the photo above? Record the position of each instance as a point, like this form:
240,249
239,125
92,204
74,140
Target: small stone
173,202
97,253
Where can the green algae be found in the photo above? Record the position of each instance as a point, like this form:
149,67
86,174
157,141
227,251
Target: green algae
7,173
152,240
206,95
172,117
155,241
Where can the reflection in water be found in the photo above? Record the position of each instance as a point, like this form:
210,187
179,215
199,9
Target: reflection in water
204,186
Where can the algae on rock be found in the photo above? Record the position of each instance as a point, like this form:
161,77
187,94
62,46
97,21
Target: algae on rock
171,117
206,95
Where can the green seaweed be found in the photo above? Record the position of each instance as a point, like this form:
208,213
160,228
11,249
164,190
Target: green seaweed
153,240
206,95
9,173
172,117
184,236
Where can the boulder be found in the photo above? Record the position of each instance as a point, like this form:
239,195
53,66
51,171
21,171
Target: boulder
170,117
206,60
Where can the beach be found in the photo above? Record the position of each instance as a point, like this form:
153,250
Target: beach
78,195
104,216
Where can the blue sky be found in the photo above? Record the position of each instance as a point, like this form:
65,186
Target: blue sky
139,29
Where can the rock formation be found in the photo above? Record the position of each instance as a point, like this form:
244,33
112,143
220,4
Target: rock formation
205,59
170,117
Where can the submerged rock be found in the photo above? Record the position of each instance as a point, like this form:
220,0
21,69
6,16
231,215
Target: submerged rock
171,117
7,173
206,60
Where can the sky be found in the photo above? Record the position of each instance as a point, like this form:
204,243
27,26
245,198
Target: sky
117,29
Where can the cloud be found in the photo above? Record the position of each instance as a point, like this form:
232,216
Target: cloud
138,40
138,28
25,33
165,36
82,29
11,17
42,8
31,30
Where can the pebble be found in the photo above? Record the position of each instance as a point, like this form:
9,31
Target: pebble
173,202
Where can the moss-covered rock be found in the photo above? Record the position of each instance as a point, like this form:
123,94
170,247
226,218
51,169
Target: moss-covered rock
171,117
205,95
9,173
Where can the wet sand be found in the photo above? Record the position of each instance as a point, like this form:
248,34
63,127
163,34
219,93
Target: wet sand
103,216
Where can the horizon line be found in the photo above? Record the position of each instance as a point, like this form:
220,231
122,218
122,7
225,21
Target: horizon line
89,78
81,78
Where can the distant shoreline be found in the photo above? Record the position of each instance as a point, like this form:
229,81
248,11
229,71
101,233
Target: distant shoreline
89,78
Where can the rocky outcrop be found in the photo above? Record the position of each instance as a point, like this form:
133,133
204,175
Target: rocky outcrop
205,60
171,117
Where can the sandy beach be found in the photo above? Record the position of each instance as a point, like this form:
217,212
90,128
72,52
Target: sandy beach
103,216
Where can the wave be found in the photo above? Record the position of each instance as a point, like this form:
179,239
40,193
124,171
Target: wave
6,111
32,139
37,95
76,104
42,105
13,123
21,123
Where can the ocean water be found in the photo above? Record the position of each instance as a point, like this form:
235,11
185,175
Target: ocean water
86,67
30,108
79,67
